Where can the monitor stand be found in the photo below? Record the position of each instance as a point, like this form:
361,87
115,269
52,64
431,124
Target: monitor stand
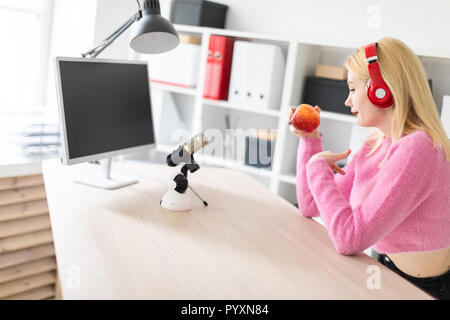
105,180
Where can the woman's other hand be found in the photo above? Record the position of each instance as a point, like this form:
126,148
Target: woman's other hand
331,158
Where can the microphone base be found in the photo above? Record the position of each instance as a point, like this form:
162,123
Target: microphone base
175,201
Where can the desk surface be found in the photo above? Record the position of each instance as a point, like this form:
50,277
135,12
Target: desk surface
247,244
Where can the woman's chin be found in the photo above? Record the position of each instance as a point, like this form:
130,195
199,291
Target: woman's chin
361,122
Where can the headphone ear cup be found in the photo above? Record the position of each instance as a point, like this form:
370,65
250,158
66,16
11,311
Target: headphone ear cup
378,101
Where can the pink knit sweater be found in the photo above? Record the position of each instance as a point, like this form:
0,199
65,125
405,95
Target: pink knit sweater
402,207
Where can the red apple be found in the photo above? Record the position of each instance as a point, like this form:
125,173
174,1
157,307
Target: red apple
304,118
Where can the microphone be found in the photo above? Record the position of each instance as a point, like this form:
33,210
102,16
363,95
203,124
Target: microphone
184,153
195,143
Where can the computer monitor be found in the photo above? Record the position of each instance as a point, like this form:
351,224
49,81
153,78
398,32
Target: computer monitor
105,110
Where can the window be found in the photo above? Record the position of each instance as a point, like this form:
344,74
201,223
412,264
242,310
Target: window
25,36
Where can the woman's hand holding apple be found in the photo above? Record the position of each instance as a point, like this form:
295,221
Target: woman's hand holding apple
304,121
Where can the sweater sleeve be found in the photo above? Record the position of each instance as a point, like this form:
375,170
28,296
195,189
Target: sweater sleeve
401,185
306,149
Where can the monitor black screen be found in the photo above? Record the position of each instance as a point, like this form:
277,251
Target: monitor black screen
106,106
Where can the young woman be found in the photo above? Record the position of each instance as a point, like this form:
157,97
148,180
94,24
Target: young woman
395,192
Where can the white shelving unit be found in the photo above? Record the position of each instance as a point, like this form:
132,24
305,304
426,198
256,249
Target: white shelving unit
226,104
301,59
173,89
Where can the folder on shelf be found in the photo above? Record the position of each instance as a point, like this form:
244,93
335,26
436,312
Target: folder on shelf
331,72
259,148
218,67
178,67
267,75
240,72
257,75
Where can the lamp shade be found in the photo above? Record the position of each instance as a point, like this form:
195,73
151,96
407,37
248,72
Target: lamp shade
153,33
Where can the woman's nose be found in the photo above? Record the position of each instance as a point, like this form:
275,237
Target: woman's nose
348,102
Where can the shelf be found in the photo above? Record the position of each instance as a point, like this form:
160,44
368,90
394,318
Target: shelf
226,104
189,29
233,165
288,179
229,33
337,116
174,89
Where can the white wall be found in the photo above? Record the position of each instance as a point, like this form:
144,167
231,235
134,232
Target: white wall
111,14
423,25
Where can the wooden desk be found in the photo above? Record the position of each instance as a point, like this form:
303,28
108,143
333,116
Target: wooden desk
247,244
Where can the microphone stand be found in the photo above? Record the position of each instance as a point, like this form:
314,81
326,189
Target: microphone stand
176,198
204,202
182,184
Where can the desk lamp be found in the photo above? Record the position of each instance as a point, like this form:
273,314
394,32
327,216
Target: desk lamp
153,34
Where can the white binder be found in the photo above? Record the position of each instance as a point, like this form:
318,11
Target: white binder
257,75
267,75
177,67
239,77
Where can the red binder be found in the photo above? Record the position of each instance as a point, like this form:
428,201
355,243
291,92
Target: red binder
218,67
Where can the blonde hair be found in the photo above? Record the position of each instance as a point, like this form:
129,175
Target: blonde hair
414,108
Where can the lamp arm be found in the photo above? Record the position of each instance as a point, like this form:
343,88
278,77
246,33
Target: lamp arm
94,52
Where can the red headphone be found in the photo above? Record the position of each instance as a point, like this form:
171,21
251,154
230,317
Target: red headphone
377,90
